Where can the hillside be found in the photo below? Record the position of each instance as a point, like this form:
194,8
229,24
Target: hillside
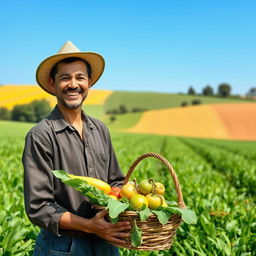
11,95
223,121
219,118
153,100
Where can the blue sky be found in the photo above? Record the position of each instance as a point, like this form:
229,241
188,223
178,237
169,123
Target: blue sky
163,46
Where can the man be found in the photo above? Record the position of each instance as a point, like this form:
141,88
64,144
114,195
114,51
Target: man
69,140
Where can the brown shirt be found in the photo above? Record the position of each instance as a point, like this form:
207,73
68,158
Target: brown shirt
54,144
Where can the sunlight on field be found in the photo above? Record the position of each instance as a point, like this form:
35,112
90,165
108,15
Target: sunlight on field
194,121
11,95
223,121
239,119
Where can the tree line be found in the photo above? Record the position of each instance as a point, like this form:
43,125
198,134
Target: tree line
224,90
31,112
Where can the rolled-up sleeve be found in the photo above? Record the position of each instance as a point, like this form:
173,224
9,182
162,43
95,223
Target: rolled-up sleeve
40,206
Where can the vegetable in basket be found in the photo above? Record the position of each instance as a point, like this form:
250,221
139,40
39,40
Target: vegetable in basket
133,200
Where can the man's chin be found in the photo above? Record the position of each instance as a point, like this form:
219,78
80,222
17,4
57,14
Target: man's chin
72,105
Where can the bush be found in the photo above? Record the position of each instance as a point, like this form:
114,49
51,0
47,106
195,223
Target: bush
32,112
122,109
5,114
196,102
184,104
134,110
112,119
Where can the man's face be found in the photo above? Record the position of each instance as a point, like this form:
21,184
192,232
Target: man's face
71,84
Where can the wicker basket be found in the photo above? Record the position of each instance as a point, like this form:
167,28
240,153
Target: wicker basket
155,236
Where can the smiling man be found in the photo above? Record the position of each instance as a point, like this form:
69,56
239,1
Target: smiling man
70,140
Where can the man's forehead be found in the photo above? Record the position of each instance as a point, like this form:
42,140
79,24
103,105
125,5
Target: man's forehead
72,67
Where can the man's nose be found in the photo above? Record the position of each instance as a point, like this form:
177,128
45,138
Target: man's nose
73,83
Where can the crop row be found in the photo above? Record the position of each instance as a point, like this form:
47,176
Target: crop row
242,148
226,210
238,170
226,224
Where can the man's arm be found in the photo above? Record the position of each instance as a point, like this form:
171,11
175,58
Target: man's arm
40,205
96,225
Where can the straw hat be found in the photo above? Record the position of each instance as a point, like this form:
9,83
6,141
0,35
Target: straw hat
95,60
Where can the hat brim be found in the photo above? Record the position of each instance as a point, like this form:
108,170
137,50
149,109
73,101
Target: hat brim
95,60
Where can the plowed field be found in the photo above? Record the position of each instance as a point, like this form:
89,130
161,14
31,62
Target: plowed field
223,121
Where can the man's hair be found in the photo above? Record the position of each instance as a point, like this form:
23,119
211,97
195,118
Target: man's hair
54,70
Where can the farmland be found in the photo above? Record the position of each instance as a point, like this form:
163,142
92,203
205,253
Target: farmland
235,121
11,95
217,179
153,100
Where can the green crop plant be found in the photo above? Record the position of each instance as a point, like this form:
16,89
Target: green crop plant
217,178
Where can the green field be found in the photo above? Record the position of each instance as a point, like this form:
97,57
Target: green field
217,179
153,100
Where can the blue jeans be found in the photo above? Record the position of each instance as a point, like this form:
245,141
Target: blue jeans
47,244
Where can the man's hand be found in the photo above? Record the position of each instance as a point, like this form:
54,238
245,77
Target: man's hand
96,225
108,231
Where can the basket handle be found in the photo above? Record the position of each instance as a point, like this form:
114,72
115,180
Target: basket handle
169,166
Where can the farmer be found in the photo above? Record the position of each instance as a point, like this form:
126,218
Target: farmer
70,140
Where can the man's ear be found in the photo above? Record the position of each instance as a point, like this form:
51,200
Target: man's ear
51,83
90,82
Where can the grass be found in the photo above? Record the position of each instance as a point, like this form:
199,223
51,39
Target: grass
122,121
96,111
13,129
153,100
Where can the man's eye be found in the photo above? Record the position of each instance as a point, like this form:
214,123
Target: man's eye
64,78
81,78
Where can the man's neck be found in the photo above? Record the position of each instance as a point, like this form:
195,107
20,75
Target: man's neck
72,116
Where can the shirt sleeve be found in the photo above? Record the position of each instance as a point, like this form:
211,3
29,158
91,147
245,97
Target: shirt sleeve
40,206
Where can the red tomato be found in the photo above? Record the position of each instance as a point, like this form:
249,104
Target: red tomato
116,192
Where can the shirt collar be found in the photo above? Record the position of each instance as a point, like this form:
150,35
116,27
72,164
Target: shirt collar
60,124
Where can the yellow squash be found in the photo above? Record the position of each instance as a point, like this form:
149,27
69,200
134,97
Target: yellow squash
100,184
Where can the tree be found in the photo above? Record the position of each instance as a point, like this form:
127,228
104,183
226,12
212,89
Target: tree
42,108
32,112
252,92
23,113
224,89
191,91
207,91
5,114
122,109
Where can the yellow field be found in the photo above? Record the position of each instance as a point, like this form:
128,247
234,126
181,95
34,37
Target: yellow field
194,121
11,95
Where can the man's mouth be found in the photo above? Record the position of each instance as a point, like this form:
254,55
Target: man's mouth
73,92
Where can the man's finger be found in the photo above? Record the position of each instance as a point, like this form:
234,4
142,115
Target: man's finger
122,228
102,213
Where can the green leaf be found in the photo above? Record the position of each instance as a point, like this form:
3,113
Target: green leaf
61,174
115,207
95,195
113,220
144,213
136,235
188,216
171,203
162,215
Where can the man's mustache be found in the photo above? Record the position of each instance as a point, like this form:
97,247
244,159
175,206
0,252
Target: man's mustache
79,90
